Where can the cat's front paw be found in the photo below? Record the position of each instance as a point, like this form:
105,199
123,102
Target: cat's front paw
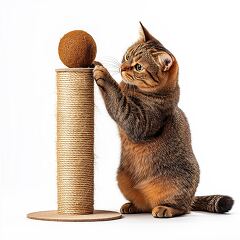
96,63
101,75
128,208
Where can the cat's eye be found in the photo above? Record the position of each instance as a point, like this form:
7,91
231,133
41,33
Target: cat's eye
138,67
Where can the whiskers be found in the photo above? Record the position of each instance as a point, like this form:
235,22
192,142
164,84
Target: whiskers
112,64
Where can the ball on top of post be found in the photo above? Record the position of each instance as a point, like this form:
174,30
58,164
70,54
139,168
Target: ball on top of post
77,49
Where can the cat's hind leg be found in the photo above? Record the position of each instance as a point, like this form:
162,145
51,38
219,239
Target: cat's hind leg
166,212
165,197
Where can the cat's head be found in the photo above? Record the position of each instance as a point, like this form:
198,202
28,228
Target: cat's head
148,65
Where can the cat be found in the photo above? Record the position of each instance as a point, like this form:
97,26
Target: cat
158,171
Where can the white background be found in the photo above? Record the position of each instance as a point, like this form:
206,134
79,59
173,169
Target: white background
203,35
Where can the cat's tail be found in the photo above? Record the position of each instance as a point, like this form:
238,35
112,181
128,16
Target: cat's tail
212,203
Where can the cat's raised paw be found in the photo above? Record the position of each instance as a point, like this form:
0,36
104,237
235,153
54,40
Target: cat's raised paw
128,208
100,74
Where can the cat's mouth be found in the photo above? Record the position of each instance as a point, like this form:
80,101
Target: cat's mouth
127,78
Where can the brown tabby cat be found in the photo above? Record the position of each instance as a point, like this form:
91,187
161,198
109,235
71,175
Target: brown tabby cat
158,172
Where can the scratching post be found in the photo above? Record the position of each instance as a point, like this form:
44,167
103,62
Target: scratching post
75,155
75,127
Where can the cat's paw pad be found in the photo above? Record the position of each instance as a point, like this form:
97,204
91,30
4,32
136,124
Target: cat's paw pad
128,208
100,74
162,212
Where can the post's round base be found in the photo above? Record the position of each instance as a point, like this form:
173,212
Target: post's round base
98,215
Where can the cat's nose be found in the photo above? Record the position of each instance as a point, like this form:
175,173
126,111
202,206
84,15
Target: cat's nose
124,67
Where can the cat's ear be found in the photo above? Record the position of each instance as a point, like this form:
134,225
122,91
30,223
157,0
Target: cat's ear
144,34
165,60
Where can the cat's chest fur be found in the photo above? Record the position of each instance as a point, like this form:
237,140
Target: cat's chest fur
136,174
134,170
136,157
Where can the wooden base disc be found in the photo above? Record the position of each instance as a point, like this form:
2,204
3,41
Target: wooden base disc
98,215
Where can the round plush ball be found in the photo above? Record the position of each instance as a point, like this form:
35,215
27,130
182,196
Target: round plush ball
77,49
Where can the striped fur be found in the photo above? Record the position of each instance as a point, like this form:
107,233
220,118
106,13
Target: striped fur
212,203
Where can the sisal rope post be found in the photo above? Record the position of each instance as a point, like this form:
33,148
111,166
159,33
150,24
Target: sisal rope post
75,149
75,128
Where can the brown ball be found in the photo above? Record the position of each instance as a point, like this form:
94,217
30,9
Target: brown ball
77,49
